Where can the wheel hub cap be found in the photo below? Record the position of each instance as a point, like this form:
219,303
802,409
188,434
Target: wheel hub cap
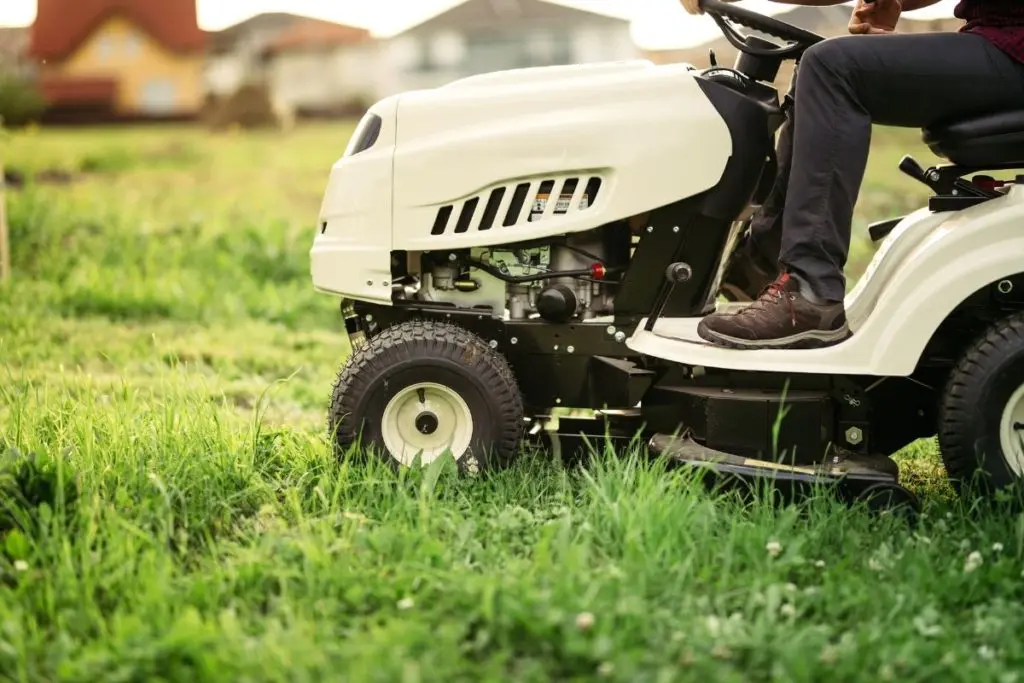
426,420
426,423
1011,432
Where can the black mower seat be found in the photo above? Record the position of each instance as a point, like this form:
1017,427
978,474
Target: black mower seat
992,139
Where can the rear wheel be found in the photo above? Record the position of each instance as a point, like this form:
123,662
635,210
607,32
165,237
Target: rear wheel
890,498
981,429
421,389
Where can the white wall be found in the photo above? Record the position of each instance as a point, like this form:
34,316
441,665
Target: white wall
376,70
358,68
399,55
223,74
325,78
604,43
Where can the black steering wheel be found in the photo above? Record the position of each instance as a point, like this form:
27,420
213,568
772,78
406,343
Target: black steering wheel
798,40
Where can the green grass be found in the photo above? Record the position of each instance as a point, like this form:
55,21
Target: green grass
172,512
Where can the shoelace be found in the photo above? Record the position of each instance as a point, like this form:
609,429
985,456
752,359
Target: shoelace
774,292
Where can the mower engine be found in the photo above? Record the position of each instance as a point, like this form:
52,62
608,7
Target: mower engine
570,278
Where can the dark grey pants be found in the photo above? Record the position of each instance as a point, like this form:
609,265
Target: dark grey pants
843,86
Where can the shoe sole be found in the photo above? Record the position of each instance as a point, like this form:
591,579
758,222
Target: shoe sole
812,339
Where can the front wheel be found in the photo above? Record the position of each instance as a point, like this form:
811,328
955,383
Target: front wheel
981,428
421,389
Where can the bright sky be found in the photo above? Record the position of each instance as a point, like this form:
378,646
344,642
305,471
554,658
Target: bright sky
656,23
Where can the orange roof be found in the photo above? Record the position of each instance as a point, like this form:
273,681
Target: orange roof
313,33
61,25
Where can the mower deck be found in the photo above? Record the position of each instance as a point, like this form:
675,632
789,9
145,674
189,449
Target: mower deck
871,479
689,451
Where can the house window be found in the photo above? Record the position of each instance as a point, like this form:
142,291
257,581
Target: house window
447,49
132,46
404,52
435,53
548,48
541,46
424,61
159,96
105,48
564,52
494,50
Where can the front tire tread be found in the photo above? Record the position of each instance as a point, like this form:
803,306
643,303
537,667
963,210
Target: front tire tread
411,340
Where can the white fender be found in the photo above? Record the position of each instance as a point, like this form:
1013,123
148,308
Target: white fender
967,251
927,267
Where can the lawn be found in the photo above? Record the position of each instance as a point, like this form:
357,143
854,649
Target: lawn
171,510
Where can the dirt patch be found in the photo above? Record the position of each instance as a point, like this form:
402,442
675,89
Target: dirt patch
16,179
251,107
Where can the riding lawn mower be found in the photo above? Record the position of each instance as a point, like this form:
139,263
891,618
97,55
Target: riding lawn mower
515,247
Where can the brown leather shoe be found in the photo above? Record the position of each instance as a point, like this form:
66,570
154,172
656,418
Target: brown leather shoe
780,319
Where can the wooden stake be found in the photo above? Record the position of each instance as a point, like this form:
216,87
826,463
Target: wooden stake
5,244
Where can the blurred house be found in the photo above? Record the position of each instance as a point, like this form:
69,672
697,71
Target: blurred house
125,59
235,54
320,68
14,59
480,36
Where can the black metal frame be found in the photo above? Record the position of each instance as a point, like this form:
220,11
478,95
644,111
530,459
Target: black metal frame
589,366
952,191
573,364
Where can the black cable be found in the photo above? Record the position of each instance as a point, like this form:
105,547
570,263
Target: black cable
552,243
584,252
598,282
520,279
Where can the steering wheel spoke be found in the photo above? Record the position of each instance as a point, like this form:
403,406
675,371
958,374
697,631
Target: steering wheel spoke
797,39
740,42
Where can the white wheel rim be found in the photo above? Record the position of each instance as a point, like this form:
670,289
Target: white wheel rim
1011,438
426,420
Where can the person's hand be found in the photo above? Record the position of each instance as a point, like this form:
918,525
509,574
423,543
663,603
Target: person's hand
691,6
876,17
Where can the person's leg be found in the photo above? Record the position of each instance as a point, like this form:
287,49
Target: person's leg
846,84
898,80
766,226
755,263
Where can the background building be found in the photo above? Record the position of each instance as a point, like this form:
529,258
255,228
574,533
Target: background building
128,58
479,36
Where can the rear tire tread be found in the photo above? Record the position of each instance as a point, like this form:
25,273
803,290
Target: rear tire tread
962,396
